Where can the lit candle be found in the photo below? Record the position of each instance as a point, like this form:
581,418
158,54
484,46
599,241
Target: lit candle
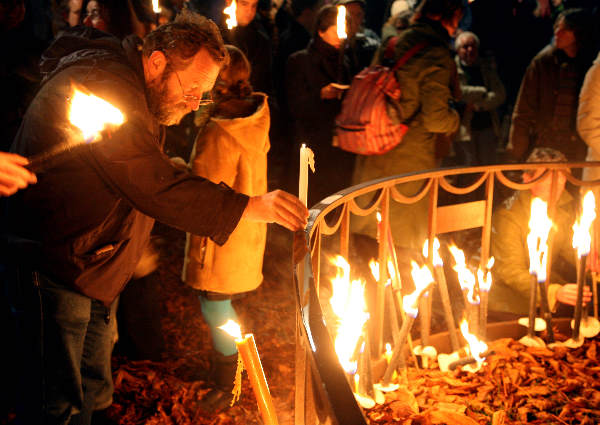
440,278
537,244
307,159
422,278
230,11
582,242
485,284
247,348
156,8
467,281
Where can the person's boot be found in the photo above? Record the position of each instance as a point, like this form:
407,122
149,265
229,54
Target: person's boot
223,377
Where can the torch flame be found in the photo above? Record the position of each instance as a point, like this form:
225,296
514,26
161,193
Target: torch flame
437,260
341,23
92,114
476,347
485,279
232,328
539,227
423,278
348,304
231,21
581,229
374,266
466,278
155,7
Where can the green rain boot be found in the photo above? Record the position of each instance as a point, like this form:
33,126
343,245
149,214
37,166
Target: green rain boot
223,376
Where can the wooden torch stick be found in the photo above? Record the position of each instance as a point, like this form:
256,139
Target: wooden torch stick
532,305
579,301
440,278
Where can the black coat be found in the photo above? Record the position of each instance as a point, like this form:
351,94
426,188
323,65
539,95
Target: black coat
307,72
91,216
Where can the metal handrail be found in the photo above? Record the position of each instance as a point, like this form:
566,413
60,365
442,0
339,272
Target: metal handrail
315,357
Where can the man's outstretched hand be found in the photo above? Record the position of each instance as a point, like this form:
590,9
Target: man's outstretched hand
567,294
277,207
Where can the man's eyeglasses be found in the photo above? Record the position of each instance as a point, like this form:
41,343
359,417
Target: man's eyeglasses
206,98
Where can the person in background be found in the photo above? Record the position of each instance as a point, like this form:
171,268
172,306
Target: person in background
509,295
546,108
76,237
314,100
398,21
251,37
588,118
482,93
362,42
232,149
117,17
426,105
13,174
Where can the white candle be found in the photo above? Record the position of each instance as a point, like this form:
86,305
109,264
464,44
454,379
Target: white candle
307,158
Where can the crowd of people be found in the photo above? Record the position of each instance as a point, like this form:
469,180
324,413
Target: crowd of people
492,82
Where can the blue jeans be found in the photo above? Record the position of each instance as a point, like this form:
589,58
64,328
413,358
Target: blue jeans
67,344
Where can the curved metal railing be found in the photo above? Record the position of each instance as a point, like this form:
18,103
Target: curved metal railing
323,394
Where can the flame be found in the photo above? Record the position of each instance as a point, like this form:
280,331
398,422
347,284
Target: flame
232,328
391,268
155,7
378,214
466,278
423,278
581,229
388,352
341,23
437,260
231,21
485,282
348,304
92,114
476,347
374,266
539,227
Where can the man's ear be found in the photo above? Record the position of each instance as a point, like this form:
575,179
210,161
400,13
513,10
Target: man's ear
156,64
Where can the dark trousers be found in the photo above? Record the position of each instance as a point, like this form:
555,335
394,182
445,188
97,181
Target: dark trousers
66,341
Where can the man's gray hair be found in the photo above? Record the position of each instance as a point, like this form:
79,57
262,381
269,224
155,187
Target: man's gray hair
462,38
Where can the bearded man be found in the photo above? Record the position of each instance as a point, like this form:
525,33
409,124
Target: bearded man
77,235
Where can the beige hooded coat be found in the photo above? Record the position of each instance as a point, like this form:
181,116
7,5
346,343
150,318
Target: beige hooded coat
232,151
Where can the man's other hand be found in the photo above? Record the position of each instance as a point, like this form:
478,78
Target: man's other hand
277,207
567,294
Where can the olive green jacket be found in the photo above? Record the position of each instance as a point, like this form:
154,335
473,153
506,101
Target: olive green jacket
425,81
511,278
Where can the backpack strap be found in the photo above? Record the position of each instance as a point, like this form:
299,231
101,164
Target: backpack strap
409,54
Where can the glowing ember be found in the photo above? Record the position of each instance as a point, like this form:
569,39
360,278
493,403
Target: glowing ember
231,21
476,347
155,7
466,278
232,328
485,281
348,304
341,23
437,260
539,227
423,278
92,114
581,229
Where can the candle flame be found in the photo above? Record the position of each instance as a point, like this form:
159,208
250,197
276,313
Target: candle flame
374,266
391,268
581,229
422,278
91,114
537,239
437,260
476,347
466,278
485,282
231,21
232,328
155,7
348,304
341,22
388,352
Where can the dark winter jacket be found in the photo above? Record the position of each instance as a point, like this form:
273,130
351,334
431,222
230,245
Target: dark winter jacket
540,118
91,216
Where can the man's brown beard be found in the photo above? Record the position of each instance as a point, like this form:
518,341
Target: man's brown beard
165,111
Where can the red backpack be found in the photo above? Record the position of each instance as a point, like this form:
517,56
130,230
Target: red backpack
363,125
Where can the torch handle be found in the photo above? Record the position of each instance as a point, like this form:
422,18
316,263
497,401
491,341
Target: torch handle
398,349
579,301
44,161
532,305
468,360
546,311
440,277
